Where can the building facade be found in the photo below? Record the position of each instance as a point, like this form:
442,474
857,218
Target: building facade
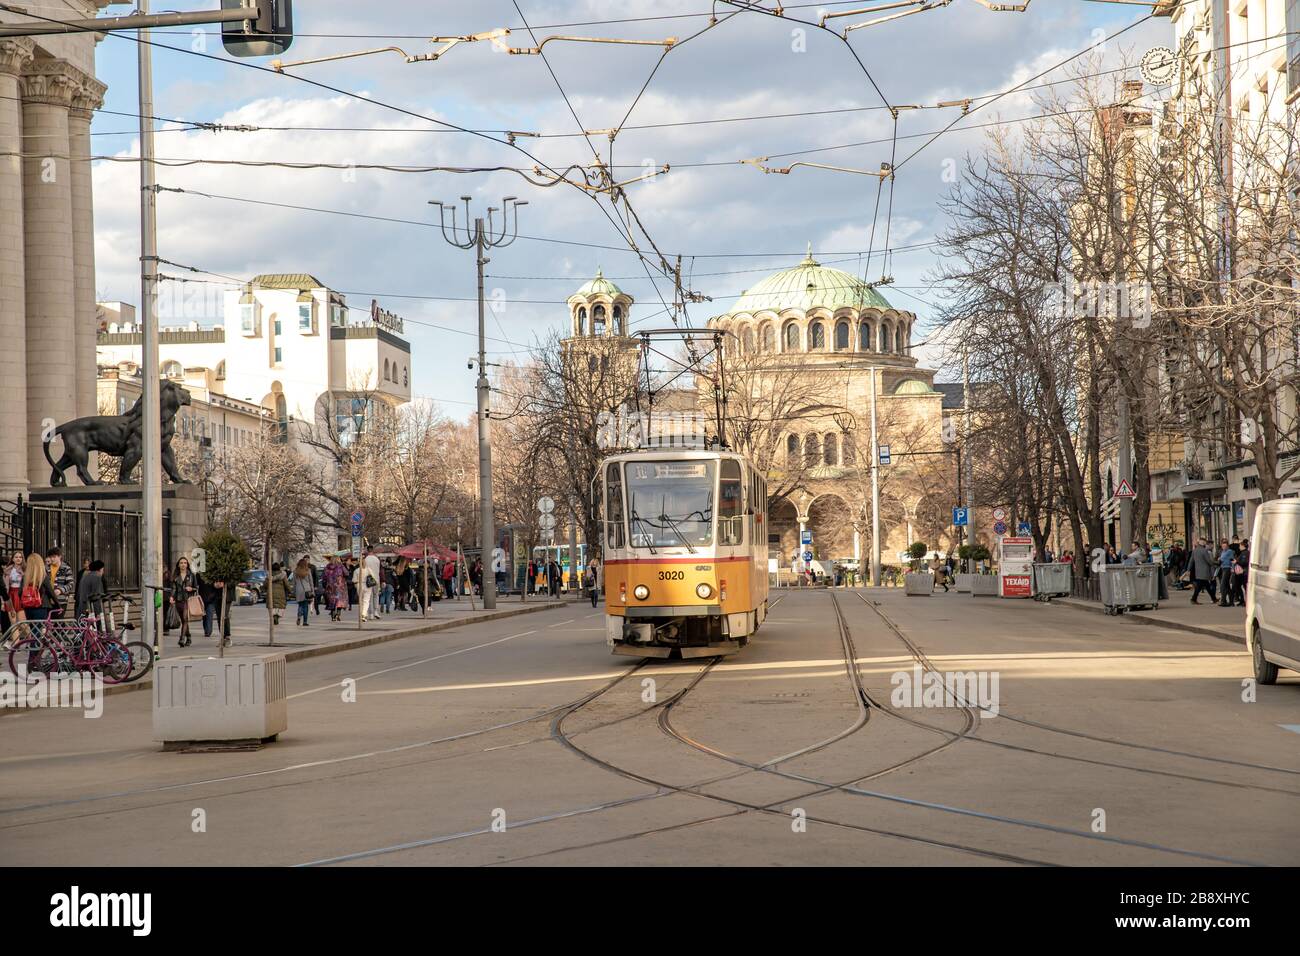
48,92
291,345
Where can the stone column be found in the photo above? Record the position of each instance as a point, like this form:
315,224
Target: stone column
47,89
15,54
88,98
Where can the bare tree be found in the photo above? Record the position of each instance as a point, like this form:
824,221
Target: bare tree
271,488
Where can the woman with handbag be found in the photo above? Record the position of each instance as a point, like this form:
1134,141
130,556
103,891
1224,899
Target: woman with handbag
37,598
185,597
303,591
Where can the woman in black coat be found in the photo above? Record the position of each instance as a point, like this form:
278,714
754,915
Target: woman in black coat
186,584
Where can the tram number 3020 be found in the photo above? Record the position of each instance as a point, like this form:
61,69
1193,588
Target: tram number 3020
671,575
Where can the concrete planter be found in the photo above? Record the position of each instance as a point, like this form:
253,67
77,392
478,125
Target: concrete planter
918,584
963,582
984,585
229,700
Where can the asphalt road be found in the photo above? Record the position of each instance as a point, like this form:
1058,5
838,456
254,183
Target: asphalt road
524,741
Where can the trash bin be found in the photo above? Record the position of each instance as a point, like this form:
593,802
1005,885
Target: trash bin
1051,580
1125,587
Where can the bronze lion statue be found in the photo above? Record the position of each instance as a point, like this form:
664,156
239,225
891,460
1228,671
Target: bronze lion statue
118,435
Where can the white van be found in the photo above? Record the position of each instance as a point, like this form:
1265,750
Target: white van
1273,589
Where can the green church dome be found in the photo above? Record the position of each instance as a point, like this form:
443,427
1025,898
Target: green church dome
809,285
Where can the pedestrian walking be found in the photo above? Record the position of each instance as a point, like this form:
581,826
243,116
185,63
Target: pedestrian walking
1203,569
91,593
277,591
449,578
1240,573
13,582
532,577
303,591
336,587
213,594
593,580
37,596
1227,557
553,577
184,597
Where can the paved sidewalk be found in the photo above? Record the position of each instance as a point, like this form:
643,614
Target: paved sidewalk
1226,623
249,631
251,627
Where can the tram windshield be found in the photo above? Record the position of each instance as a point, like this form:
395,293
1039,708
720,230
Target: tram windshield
670,503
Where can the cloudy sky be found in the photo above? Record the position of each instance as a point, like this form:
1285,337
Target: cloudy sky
751,86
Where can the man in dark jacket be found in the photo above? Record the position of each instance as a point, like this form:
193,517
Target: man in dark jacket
1204,568
91,593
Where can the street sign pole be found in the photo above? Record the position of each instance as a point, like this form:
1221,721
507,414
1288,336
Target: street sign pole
875,488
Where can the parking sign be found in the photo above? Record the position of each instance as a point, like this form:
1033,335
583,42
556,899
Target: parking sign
959,517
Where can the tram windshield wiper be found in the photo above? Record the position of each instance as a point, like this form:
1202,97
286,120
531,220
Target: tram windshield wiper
663,508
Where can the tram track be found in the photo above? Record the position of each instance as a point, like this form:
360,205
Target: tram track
738,807
851,787
920,657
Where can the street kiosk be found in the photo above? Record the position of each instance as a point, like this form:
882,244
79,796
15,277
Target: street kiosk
1015,567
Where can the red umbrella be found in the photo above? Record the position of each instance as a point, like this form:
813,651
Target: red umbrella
417,550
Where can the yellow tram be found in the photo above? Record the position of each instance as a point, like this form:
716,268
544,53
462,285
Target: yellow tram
685,552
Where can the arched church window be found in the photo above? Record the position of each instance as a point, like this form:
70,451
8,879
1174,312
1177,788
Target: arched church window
849,451
598,320
899,345
747,341
884,338
172,369
582,320
816,336
841,336
864,336
792,449
792,338
618,319
812,450
830,450
769,338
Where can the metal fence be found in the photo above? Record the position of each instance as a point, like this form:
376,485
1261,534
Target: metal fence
85,533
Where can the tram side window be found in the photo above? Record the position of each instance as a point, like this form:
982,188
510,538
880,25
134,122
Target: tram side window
613,506
731,515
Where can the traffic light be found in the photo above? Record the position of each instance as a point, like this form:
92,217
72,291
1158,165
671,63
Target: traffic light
272,28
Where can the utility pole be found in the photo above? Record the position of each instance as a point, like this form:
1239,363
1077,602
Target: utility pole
151,543
1125,471
480,237
875,487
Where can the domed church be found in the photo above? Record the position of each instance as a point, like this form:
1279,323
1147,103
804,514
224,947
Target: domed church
806,349
810,345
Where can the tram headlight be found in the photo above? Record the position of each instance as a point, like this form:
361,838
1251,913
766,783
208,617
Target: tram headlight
641,592
703,591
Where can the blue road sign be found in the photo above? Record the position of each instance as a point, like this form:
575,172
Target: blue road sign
358,517
960,517
1024,529
807,555
884,455
1000,527
805,537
